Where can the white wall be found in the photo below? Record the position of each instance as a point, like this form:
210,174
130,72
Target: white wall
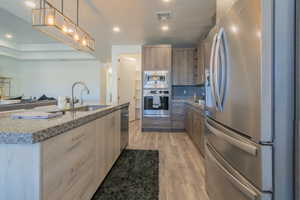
9,68
53,78
118,50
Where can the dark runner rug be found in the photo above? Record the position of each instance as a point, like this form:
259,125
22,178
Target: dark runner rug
135,176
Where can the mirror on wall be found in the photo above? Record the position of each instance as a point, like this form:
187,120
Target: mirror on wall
35,67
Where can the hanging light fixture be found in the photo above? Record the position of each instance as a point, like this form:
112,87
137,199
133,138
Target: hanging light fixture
54,23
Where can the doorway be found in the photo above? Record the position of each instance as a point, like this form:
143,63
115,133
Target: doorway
129,83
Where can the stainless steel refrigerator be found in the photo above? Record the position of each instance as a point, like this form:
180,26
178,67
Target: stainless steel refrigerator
239,147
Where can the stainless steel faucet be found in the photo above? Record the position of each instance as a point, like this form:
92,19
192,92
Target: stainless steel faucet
84,89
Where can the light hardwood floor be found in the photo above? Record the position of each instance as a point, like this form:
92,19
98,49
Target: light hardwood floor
181,165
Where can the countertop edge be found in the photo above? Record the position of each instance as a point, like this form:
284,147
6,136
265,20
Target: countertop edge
26,105
42,135
197,107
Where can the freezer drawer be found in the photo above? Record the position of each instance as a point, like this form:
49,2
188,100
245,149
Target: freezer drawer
224,183
253,161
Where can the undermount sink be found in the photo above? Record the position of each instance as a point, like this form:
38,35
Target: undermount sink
81,109
90,108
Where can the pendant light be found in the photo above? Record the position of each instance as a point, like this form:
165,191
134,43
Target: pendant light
54,23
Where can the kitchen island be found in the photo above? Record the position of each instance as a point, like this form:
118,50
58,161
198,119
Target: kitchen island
62,158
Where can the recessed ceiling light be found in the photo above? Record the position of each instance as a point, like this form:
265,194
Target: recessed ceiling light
116,29
8,36
30,4
165,28
167,1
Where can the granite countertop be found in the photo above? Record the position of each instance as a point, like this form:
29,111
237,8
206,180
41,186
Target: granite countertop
26,105
190,102
20,131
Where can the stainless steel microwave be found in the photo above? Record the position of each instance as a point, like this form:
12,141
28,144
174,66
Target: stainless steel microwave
156,79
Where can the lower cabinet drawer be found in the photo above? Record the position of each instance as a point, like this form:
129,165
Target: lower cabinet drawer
178,117
178,125
223,182
156,122
178,108
63,169
83,186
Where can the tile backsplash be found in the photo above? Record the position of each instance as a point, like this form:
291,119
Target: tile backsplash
187,92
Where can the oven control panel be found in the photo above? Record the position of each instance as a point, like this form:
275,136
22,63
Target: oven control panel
156,92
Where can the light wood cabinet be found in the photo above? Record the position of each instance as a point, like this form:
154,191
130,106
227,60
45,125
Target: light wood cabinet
157,57
68,166
75,163
183,66
108,143
67,159
117,134
101,150
111,129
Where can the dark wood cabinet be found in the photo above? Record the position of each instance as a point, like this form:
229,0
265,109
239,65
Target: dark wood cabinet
198,131
178,116
194,125
183,66
189,121
156,124
188,67
200,70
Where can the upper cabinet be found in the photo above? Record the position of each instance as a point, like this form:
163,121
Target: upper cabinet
157,57
223,7
200,71
184,66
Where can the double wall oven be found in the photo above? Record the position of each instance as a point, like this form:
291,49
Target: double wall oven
156,94
156,103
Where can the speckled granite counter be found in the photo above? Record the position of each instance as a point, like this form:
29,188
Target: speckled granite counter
196,106
26,105
19,131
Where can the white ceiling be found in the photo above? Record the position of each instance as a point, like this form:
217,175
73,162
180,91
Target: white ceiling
20,29
136,18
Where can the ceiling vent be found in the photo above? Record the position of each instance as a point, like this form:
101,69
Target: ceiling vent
163,16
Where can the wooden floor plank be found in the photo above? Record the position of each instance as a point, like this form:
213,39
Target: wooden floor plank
181,164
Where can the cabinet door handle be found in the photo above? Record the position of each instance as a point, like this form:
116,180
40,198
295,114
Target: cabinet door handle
74,146
78,137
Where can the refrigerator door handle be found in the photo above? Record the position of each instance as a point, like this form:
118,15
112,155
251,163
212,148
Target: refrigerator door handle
219,66
223,68
212,82
241,187
252,150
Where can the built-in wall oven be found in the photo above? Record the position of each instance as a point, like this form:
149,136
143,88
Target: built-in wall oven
156,103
